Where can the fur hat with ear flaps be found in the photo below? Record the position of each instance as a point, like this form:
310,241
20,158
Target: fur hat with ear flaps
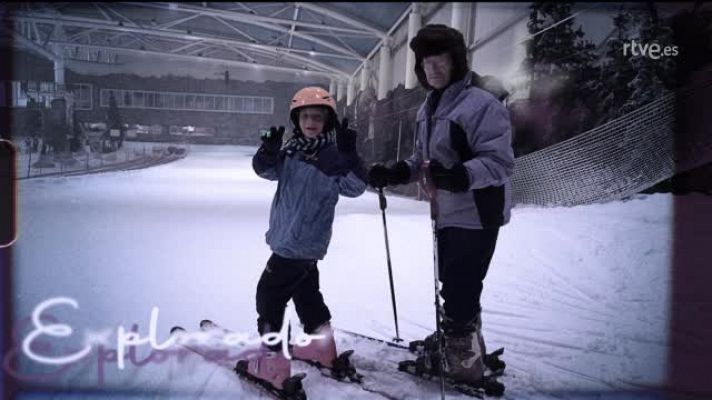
436,39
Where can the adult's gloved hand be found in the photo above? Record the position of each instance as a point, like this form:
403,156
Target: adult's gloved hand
454,179
345,137
380,175
272,140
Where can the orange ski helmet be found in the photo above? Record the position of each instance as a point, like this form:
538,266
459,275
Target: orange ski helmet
313,96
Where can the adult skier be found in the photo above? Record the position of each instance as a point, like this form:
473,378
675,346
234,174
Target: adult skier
465,134
312,172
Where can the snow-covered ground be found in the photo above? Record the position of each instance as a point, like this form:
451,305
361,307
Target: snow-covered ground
578,296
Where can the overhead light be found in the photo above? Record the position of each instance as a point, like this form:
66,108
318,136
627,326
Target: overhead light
172,6
312,53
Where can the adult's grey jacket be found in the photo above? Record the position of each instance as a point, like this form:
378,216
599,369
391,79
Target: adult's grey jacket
470,126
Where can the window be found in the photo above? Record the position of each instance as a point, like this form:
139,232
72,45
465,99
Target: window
179,101
19,96
138,99
176,101
47,87
150,100
83,96
261,105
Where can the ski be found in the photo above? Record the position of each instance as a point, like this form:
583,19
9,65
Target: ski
291,388
418,368
342,369
362,336
491,360
489,387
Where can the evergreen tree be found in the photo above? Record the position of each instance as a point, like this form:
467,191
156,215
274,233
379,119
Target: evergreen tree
654,77
33,118
563,71
617,70
113,119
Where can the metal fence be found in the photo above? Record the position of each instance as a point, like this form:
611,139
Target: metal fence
31,162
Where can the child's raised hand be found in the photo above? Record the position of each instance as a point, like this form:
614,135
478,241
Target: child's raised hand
345,137
272,140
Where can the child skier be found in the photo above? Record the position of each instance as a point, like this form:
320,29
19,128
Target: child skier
311,172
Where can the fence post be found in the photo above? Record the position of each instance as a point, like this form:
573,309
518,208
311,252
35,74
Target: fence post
29,163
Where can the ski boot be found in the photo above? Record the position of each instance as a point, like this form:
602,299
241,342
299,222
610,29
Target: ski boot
464,361
430,346
321,353
272,371
461,365
270,366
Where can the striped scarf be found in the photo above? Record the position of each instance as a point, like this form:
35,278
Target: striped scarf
307,145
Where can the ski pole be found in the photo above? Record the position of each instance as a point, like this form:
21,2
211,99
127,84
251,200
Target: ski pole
382,203
430,191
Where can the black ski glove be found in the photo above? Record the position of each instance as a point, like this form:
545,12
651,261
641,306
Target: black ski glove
380,176
455,179
345,137
272,140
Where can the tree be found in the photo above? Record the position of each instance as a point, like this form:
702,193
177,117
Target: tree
654,77
616,68
33,118
113,119
565,80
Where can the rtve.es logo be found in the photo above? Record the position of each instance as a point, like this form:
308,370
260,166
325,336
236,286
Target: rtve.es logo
650,50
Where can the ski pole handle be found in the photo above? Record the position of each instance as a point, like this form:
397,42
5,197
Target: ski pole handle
426,181
381,199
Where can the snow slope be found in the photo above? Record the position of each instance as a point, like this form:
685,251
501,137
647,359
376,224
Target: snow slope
578,296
